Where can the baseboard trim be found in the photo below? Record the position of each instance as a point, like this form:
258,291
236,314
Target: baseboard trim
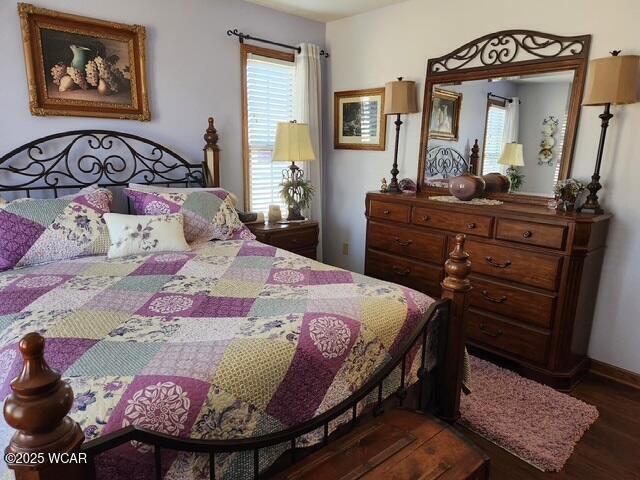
616,374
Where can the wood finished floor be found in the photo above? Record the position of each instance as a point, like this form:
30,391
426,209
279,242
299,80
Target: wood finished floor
609,450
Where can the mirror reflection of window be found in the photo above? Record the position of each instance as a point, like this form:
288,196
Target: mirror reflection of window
494,137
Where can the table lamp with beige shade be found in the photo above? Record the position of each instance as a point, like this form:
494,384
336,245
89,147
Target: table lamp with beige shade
293,144
399,98
512,157
613,80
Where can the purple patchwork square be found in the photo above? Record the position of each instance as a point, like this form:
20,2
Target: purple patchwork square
163,264
61,353
214,307
16,301
118,301
40,284
286,276
192,360
329,277
17,236
149,203
171,305
256,249
166,404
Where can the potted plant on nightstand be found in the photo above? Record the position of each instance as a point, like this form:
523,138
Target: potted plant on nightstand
297,194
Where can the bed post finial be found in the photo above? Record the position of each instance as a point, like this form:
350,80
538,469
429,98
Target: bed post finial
455,287
474,158
38,409
211,155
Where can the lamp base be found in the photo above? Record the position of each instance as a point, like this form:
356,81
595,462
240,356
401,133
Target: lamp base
591,205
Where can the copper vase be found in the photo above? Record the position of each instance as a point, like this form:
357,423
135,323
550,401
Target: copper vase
496,183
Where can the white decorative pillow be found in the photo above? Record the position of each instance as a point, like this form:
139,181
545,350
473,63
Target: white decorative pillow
160,189
138,234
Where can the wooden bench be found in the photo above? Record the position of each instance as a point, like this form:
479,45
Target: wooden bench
399,445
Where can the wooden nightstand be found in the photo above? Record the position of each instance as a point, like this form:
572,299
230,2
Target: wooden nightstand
300,238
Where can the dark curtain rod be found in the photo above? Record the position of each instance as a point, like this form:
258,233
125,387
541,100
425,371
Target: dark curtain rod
244,36
506,99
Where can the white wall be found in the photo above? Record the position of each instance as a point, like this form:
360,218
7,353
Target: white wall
370,49
539,100
193,71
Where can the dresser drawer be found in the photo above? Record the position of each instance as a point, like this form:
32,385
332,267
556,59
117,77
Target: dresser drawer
397,212
423,245
513,339
530,268
416,275
294,239
524,305
454,221
540,234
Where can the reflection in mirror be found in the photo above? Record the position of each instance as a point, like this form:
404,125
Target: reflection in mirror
530,110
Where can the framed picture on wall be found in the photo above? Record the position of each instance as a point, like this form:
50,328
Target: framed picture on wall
445,114
84,67
359,121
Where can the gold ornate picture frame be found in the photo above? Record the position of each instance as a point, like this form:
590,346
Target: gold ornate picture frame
79,66
359,120
445,114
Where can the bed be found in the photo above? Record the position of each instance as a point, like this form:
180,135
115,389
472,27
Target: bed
222,362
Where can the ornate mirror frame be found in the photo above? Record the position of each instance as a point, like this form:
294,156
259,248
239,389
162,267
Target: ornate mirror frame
509,53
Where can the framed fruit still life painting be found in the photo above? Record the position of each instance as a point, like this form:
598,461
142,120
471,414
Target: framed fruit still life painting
79,66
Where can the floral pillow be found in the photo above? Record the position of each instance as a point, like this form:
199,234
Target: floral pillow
34,231
139,234
208,215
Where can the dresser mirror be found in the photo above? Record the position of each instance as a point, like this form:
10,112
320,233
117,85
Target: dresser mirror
513,86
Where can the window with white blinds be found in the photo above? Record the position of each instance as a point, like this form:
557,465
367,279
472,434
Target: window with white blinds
269,101
493,139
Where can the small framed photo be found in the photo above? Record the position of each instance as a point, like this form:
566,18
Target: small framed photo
79,66
359,120
445,114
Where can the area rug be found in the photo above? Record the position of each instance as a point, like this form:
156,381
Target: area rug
532,421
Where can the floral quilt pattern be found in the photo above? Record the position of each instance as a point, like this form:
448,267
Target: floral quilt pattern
232,339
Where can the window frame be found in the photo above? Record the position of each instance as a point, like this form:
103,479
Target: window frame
490,102
245,51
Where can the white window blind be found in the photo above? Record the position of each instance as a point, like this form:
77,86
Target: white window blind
494,139
270,84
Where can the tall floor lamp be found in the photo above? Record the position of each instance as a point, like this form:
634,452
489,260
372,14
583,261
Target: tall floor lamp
612,80
399,98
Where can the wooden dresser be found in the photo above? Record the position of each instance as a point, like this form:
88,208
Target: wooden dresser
535,273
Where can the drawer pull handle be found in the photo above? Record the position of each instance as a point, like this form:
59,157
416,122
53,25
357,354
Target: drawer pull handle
488,331
403,243
386,211
493,263
527,234
401,271
425,218
471,226
501,299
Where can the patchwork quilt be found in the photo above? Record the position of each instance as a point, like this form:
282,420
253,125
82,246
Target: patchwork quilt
233,339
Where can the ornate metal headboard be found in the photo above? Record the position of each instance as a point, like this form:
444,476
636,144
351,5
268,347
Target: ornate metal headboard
444,161
76,159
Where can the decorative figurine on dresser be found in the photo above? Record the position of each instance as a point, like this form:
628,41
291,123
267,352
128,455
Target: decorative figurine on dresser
535,270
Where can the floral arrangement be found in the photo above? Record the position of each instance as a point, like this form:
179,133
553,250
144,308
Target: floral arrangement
100,73
568,190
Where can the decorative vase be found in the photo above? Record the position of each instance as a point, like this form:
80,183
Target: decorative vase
466,187
275,214
294,212
80,56
496,183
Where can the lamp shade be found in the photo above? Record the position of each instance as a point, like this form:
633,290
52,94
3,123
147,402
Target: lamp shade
614,80
400,97
293,143
512,155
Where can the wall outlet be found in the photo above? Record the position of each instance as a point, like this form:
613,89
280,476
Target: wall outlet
345,248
